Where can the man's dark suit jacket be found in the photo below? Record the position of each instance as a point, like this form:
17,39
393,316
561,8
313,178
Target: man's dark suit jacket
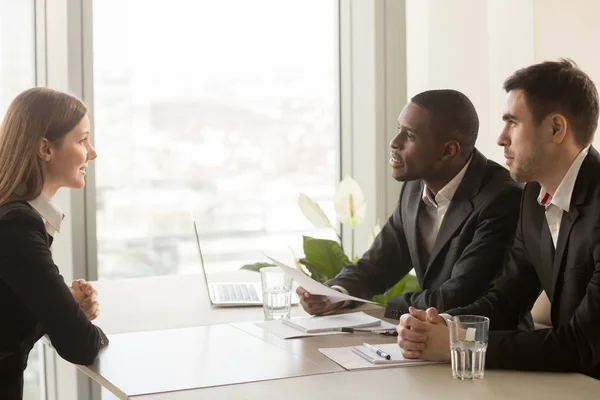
570,276
34,301
473,241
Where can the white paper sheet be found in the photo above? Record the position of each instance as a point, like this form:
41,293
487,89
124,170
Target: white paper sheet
278,328
314,287
347,359
327,323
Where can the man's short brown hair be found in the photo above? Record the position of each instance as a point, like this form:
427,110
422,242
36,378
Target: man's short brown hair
559,86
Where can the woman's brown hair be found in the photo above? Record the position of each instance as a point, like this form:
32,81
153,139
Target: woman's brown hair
33,115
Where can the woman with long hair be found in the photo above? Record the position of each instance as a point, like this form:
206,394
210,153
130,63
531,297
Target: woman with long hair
44,146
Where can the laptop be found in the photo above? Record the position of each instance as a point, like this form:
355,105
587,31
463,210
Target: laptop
229,294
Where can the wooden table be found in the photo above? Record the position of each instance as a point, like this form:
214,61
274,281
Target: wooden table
166,337
410,383
166,302
188,358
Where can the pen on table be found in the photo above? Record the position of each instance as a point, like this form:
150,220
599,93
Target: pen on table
387,332
379,352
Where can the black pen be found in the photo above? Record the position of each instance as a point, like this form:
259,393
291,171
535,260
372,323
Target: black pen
379,352
386,332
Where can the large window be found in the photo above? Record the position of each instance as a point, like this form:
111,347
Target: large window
17,49
17,73
227,109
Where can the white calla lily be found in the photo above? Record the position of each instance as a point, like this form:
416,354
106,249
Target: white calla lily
299,265
375,229
350,207
313,212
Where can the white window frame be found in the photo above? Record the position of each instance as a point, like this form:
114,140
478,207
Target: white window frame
372,87
373,92
61,29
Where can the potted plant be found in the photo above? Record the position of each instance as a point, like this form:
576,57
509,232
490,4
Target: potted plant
323,258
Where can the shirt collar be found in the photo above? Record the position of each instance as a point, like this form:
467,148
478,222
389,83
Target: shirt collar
49,211
564,191
447,192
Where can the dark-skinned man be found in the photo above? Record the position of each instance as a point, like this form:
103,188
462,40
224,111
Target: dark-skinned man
455,218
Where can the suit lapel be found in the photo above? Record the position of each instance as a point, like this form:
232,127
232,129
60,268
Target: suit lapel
566,224
455,216
411,226
460,207
546,252
585,176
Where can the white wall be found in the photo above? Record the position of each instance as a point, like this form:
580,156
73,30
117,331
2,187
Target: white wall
473,45
569,29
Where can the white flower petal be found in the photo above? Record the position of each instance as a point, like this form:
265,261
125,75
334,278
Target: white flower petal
375,229
299,265
313,212
349,202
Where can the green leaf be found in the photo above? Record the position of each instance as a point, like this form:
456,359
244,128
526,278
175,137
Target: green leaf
412,284
408,284
355,260
325,257
256,266
314,273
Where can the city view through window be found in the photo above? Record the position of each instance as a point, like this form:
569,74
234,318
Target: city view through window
227,109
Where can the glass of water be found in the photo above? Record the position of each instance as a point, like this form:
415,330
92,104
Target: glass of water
468,344
277,293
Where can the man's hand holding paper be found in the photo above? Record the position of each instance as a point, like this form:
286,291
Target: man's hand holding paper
315,288
315,304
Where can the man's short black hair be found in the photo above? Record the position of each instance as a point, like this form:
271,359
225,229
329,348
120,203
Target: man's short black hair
454,115
559,86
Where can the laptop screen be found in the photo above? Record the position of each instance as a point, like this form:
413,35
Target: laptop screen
200,254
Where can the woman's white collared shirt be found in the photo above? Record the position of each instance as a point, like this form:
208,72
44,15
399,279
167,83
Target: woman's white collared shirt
50,213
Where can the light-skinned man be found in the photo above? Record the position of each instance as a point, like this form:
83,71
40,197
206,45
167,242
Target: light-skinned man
454,221
550,119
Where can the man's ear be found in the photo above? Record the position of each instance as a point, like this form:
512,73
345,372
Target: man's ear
559,125
44,150
451,149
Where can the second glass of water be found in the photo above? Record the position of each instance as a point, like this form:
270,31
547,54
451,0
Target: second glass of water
277,293
468,344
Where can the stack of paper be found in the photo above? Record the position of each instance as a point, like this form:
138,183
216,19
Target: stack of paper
359,357
333,322
324,325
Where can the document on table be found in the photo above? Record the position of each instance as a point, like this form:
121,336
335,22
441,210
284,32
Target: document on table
314,287
283,330
328,323
359,357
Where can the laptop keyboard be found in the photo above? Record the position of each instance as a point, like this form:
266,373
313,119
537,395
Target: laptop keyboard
237,292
